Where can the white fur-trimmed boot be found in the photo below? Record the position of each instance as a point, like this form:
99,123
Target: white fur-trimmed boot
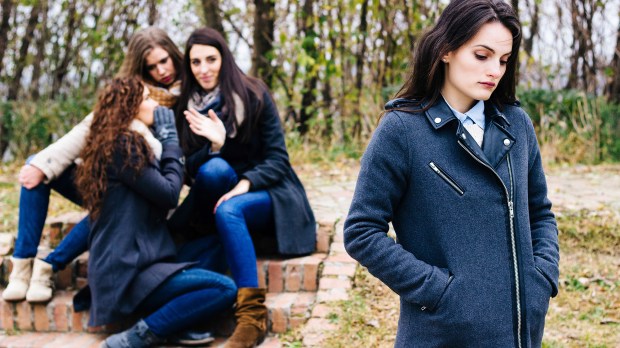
18,280
41,285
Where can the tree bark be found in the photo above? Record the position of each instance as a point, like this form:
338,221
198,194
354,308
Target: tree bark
20,62
63,65
574,59
7,8
212,14
528,43
40,57
515,6
614,86
153,13
264,22
308,107
359,70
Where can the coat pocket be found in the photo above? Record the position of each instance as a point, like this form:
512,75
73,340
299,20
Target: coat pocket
444,175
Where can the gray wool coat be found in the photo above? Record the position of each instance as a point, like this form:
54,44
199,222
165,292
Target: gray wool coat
475,260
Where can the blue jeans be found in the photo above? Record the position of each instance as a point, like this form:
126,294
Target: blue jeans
186,298
234,219
33,205
207,251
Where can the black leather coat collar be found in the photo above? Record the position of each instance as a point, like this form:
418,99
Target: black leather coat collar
497,138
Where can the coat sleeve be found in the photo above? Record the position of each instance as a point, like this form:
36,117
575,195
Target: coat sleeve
161,184
542,220
57,157
198,158
274,164
382,182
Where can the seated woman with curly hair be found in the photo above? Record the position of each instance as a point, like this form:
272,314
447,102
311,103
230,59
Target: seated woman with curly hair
129,180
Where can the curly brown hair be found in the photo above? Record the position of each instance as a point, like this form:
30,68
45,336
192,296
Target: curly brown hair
111,139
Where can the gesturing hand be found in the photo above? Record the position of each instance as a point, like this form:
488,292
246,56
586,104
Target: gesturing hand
164,125
243,186
210,127
30,176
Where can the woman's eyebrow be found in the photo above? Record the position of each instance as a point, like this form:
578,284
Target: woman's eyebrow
492,50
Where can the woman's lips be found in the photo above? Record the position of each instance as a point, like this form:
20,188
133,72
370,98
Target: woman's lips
488,84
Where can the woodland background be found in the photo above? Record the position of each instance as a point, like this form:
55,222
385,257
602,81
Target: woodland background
331,64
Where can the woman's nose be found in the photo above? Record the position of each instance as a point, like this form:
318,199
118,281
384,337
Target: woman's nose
495,70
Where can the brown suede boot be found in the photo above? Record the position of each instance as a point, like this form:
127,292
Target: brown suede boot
251,314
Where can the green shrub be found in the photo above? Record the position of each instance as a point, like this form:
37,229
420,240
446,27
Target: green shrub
574,127
32,125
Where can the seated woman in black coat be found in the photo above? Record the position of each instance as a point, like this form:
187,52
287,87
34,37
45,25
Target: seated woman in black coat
129,180
242,181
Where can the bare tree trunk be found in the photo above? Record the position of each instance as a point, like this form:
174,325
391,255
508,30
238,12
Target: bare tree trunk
20,62
63,65
153,13
359,70
308,109
515,6
213,14
7,8
574,59
264,22
614,87
528,42
333,116
40,57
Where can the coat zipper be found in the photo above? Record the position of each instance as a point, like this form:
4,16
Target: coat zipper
509,197
446,178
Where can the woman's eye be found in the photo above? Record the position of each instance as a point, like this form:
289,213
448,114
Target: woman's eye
503,62
150,67
480,57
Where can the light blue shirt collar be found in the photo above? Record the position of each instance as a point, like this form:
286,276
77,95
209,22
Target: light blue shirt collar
475,114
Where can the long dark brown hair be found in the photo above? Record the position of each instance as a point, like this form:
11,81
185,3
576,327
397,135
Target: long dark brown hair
458,23
116,108
232,81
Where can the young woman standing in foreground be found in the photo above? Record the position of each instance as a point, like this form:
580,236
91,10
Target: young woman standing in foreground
455,167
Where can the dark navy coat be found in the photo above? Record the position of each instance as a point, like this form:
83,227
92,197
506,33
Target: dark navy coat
476,255
264,162
131,251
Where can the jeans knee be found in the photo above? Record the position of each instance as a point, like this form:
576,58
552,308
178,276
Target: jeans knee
227,211
229,289
216,172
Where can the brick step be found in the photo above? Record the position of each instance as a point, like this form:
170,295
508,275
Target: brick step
275,274
88,340
286,311
59,226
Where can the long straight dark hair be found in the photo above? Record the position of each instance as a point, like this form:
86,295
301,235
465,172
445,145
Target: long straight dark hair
459,22
231,81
